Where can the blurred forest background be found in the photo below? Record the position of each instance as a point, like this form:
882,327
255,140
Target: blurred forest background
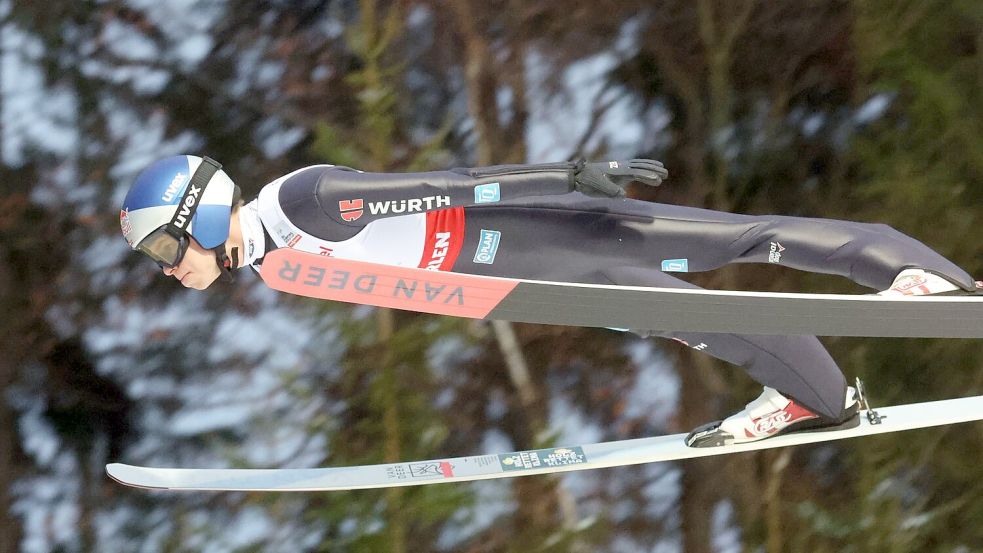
857,109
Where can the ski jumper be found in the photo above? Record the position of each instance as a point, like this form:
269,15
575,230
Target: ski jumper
523,221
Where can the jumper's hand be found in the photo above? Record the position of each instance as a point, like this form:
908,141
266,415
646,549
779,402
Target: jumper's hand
608,179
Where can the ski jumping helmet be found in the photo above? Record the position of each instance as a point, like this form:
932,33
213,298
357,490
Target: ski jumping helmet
175,199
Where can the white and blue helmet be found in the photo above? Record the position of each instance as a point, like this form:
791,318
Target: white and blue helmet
158,194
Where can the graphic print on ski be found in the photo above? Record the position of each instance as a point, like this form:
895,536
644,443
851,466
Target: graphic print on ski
590,305
520,463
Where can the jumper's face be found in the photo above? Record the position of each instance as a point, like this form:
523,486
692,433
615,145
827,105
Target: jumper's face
197,269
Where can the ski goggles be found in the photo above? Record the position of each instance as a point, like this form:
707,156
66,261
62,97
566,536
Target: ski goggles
168,244
165,246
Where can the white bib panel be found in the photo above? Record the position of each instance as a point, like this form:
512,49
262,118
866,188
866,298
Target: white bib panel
391,241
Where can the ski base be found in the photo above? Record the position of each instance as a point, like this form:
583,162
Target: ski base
520,463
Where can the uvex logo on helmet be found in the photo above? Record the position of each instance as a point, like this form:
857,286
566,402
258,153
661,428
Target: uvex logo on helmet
183,216
172,189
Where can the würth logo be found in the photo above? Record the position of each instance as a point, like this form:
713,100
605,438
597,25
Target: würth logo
413,205
350,210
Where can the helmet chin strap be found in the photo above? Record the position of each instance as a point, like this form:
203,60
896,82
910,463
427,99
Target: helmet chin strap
225,265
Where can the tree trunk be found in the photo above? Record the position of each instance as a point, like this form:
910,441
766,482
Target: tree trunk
10,525
496,144
706,101
395,513
10,528
700,488
776,463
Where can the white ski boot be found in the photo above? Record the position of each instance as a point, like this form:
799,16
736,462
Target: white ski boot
770,415
918,282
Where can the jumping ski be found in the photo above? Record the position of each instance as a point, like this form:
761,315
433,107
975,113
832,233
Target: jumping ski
543,461
621,307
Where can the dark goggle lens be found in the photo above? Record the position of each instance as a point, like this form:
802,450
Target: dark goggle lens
164,248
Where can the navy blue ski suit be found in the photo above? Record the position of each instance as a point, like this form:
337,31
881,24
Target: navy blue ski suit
524,221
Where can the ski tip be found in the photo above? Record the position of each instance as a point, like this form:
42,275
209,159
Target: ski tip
117,471
112,469
136,477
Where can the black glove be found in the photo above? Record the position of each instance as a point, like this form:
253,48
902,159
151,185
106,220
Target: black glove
608,179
